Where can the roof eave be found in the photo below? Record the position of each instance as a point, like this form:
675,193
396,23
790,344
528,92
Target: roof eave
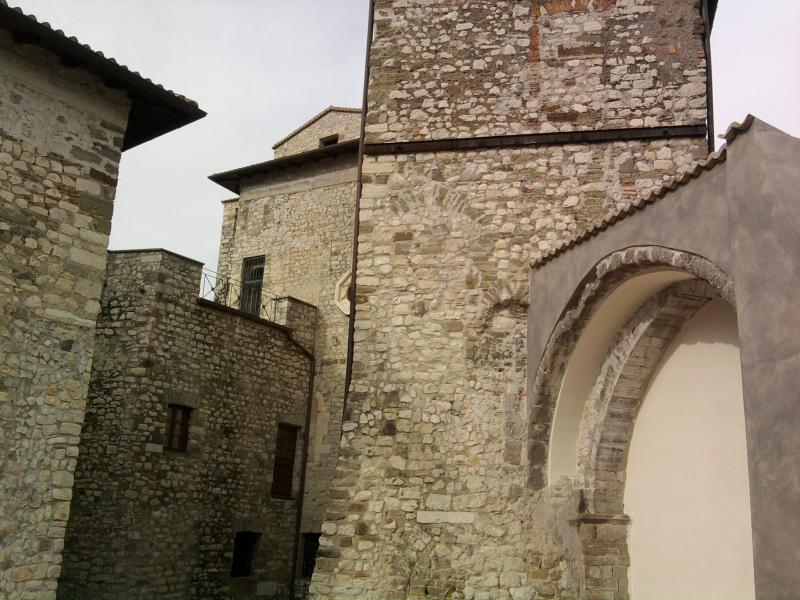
148,120
712,11
231,180
154,110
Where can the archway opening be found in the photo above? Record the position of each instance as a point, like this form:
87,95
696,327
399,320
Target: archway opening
686,483
587,359
645,311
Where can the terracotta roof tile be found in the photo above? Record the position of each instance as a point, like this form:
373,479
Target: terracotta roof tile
142,90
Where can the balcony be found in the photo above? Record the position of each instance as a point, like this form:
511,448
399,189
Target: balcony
249,297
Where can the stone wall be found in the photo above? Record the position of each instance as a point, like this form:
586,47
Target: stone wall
149,522
302,222
61,132
430,498
498,68
346,122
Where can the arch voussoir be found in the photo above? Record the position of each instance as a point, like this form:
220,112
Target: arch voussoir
610,411
608,423
606,276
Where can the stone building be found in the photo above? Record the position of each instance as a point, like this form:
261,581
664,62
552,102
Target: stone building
511,333
293,218
178,492
495,131
489,448
66,115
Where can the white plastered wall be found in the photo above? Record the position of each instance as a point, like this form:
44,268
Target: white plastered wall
587,359
687,491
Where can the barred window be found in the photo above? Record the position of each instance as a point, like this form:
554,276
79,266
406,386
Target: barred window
252,282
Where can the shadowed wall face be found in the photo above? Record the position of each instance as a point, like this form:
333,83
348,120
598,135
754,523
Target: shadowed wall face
159,518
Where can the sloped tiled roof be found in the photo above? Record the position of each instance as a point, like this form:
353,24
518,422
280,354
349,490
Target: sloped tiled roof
155,110
715,158
232,180
314,119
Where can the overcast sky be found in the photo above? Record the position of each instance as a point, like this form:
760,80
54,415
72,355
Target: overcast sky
260,68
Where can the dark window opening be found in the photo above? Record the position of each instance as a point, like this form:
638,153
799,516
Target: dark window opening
178,427
283,470
252,281
244,551
329,140
310,547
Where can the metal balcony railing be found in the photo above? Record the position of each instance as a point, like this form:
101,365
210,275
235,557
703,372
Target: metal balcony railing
249,297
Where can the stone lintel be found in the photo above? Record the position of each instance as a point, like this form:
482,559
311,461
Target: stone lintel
436,516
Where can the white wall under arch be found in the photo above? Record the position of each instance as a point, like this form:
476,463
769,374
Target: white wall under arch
687,490
587,358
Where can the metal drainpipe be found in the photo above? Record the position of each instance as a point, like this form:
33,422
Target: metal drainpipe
301,493
351,325
709,78
354,268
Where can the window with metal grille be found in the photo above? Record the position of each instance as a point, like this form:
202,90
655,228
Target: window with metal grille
252,281
245,545
178,427
329,140
283,470
310,547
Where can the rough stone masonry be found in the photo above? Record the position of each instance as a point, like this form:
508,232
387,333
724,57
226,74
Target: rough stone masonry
150,521
61,135
300,218
66,115
431,495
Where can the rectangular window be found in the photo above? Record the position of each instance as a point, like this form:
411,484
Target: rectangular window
329,140
178,427
283,471
244,551
310,547
252,281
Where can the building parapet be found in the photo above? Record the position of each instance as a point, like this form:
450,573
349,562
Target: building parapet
176,278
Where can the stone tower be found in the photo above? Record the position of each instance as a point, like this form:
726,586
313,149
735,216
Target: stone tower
494,130
67,114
